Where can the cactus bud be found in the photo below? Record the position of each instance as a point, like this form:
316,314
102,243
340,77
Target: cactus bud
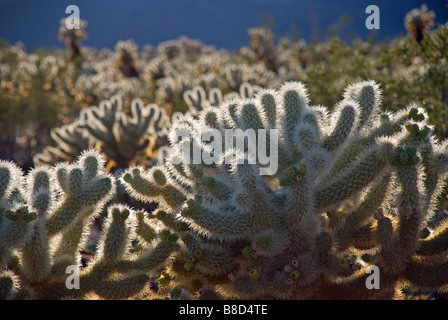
284,181
301,170
291,173
198,254
404,156
343,263
259,239
294,173
294,275
189,265
254,255
164,280
254,274
247,252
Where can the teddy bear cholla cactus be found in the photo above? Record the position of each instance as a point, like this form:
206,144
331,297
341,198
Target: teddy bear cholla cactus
46,205
353,189
44,222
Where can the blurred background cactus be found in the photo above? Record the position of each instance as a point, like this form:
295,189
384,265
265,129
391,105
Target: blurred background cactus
72,37
127,54
125,140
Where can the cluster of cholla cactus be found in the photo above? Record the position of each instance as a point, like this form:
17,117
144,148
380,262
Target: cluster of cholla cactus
354,190
45,218
197,99
124,139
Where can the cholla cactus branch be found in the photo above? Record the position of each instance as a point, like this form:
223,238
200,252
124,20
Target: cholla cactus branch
51,224
353,189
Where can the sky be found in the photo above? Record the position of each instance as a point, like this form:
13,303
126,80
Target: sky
221,23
